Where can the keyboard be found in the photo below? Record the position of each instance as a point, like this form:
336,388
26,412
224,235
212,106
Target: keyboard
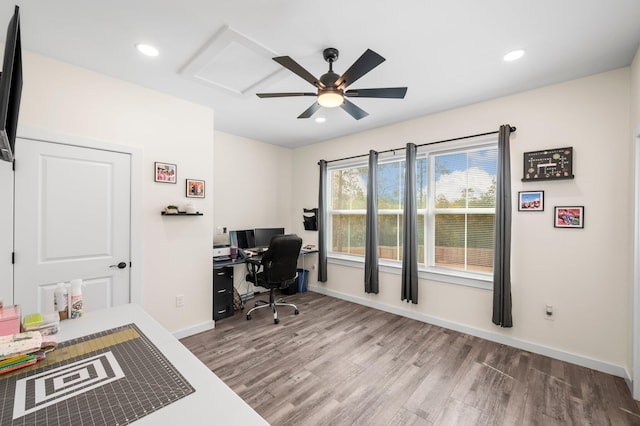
258,250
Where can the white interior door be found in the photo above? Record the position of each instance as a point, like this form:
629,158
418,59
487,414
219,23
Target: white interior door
72,220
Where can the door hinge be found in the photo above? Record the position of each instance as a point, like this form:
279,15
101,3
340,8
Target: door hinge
13,257
130,264
13,166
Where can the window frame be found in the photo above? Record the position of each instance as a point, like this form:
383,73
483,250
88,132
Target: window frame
426,267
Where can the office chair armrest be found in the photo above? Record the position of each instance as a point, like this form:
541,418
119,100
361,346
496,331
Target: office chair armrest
253,266
254,262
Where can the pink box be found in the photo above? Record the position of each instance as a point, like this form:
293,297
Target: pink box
9,320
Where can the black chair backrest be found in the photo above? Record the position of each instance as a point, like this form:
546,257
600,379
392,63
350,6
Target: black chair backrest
279,263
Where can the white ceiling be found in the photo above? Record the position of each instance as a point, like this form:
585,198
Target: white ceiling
217,52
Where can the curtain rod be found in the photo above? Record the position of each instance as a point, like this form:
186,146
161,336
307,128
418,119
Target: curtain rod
511,129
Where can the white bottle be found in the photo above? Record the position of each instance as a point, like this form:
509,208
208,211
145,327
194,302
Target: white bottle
61,301
76,304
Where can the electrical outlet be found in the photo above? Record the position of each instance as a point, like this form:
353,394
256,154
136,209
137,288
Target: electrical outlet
179,300
548,312
219,230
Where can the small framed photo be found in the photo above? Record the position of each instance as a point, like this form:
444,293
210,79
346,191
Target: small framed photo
568,217
165,172
531,201
195,188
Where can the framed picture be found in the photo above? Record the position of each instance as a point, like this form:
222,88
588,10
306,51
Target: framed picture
549,164
165,172
195,188
568,217
531,201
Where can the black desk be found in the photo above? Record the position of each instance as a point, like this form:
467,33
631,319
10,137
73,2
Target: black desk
222,263
223,271
239,261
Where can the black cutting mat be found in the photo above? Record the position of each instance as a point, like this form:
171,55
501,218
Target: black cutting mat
113,377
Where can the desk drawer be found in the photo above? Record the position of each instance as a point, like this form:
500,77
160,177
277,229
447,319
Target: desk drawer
222,306
223,278
222,292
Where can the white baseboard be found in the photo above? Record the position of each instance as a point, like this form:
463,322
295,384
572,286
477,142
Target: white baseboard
205,326
573,358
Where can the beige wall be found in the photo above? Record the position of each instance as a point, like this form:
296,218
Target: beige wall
67,100
635,138
6,232
253,187
252,184
635,92
585,274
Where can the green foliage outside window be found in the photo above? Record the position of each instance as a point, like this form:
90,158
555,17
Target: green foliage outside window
464,181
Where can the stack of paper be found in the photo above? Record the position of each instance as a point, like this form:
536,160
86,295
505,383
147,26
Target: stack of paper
23,349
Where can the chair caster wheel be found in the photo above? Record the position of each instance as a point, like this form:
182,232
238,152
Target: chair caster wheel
276,321
248,317
296,312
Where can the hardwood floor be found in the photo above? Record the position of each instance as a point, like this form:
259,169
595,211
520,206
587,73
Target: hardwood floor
340,363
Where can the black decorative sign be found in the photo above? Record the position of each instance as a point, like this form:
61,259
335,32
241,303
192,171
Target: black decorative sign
549,164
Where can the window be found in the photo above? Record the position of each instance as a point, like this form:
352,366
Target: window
455,208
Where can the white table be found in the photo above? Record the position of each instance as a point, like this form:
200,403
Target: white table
213,402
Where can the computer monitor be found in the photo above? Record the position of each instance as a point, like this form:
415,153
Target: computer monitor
263,235
243,239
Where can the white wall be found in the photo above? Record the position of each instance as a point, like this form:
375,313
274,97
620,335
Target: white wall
252,184
67,100
634,291
253,187
635,91
584,273
6,232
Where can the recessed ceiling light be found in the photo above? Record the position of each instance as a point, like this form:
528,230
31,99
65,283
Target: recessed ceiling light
146,49
513,55
320,119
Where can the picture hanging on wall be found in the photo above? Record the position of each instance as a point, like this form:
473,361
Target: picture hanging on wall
548,164
531,201
568,217
195,188
165,172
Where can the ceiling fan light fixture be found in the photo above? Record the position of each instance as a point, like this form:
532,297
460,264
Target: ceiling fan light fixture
331,86
330,99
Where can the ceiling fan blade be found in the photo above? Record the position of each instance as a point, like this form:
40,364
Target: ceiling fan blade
387,92
354,110
296,68
310,111
365,63
282,95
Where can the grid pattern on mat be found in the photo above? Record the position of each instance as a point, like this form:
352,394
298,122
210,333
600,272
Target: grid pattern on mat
113,377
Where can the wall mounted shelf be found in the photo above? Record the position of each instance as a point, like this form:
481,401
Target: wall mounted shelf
181,214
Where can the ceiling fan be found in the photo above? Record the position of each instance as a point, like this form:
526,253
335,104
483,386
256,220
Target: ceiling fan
331,87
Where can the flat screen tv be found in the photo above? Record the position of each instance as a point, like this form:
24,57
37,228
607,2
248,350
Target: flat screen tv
10,88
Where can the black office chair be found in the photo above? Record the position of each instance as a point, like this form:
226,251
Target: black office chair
279,270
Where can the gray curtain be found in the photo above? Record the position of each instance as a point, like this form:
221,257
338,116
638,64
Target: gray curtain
502,245
322,223
410,230
371,235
